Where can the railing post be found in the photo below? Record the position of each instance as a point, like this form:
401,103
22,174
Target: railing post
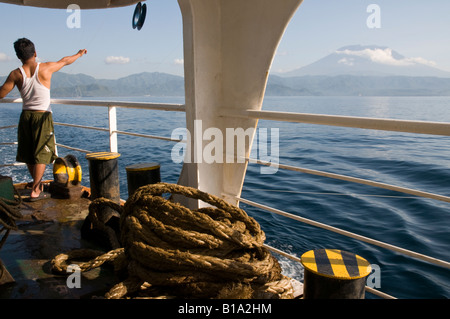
112,129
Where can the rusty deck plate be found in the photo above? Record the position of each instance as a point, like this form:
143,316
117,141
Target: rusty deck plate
49,227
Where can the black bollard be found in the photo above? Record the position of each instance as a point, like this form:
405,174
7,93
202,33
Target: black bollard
104,175
142,174
334,274
104,180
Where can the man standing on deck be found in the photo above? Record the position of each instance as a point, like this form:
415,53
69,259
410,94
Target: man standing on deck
36,140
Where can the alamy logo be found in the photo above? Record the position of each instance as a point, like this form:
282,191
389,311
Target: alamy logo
74,280
374,20
374,278
74,19
212,145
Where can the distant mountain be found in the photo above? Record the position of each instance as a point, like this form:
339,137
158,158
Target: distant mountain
81,85
351,85
160,84
363,70
369,61
350,71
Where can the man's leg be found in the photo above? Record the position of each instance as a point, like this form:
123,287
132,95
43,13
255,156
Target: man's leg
37,172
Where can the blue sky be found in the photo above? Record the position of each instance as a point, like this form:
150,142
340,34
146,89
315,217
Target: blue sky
414,28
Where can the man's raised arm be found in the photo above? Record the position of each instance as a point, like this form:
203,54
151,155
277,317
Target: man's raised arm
53,67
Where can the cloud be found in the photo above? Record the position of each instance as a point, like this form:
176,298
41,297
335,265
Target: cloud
117,60
4,57
420,60
179,61
385,56
346,61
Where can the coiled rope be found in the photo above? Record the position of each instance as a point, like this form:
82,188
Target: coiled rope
170,250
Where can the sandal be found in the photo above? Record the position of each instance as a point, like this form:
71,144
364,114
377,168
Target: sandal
42,195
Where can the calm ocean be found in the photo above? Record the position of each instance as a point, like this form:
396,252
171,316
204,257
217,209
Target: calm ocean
409,160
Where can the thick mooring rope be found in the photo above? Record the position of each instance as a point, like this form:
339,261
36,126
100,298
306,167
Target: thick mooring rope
170,250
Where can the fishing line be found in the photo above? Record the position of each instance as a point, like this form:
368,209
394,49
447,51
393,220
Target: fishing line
99,29
167,56
22,24
82,44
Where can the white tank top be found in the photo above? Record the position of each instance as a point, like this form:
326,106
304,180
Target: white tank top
35,95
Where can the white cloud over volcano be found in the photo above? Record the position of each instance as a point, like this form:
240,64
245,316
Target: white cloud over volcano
383,56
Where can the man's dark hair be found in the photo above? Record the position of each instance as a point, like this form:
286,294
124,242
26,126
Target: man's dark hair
24,49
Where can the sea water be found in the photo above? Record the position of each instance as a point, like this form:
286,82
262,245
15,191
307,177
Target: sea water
415,161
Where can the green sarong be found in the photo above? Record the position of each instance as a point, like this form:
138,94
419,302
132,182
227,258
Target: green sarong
36,138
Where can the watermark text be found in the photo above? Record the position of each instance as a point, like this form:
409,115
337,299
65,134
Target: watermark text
374,19
74,19
212,145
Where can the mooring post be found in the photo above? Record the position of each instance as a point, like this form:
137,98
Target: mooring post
104,175
334,274
142,174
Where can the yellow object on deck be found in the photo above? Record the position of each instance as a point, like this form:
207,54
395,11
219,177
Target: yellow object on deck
335,263
334,274
102,156
67,170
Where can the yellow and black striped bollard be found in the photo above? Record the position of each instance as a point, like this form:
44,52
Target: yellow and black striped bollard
334,274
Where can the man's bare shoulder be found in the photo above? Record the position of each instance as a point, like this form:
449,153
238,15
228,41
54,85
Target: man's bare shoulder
15,72
15,75
46,65
50,67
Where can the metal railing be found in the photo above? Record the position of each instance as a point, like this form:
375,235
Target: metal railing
112,116
112,119
418,127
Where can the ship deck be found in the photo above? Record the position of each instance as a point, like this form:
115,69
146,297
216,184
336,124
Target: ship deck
49,227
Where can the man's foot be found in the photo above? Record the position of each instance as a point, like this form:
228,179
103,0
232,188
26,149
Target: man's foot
37,191
41,195
30,185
